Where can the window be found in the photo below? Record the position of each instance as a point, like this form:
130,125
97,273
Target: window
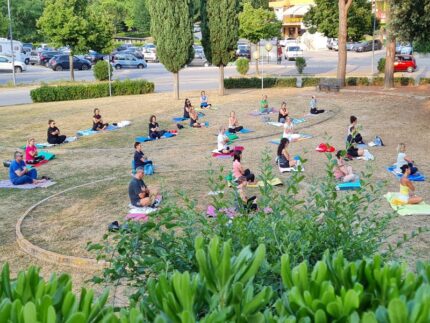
3,60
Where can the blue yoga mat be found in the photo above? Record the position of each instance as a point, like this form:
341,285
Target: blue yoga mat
145,139
298,120
417,177
179,119
349,186
90,131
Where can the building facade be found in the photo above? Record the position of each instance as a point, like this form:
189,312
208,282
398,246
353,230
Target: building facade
291,13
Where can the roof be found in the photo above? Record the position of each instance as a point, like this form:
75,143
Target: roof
298,10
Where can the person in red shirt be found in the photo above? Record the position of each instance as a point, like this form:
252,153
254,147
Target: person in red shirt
279,53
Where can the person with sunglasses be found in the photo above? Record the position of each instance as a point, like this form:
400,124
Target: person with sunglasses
19,174
54,136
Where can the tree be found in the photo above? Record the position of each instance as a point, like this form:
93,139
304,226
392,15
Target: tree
324,18
70,23
117,11
406,20
254,3
172,29
344,6
220,33
4,25
257,24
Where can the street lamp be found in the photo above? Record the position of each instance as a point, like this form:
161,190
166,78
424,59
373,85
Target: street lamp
11,42
268,49
256,56
373,39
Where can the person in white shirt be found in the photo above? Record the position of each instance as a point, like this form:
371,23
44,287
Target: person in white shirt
223,140
403,159
313,106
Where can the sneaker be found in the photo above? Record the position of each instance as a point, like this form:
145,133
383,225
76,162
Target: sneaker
7,163
114,226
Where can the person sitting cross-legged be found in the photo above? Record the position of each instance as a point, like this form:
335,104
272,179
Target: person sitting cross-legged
233,123
222,141
313,106
141,195
139,157
19,174
204,100
31,155
154,129
54,135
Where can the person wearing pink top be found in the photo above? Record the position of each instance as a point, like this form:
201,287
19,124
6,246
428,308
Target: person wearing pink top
238,170
342,172
31,156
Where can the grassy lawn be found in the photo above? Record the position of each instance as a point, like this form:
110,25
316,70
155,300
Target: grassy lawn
66,223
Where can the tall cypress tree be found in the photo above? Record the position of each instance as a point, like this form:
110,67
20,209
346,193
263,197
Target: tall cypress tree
172,29
220,29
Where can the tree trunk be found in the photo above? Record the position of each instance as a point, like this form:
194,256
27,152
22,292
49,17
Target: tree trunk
390,53
176,86
344,6
72,70
221,80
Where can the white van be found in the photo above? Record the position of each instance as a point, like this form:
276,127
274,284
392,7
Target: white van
292,52
18,50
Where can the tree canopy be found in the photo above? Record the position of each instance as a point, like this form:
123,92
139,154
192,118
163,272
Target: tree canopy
256,24
324,17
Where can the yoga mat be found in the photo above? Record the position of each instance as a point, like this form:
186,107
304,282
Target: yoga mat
298,120
217,154
47,155
137,217
408,209
280,124
349,186
90,131
141,210
245,130
258,113
8,184
273,182
303,136
48,145
42,162
145,139
417,177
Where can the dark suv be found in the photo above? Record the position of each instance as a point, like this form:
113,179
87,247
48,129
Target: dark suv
366,46
44,57
61,62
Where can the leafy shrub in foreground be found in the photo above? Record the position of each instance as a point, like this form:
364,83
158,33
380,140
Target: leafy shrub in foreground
90,91
101,71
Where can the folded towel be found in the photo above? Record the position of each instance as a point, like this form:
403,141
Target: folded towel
407,209
349,186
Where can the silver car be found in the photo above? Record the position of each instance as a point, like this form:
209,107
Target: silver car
127,61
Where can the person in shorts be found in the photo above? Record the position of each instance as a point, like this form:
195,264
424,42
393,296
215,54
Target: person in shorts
141,195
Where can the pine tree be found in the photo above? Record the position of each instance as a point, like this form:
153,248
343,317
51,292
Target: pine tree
220,28
172,29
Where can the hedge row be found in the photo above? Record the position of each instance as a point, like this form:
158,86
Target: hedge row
90,91
254,82
424,80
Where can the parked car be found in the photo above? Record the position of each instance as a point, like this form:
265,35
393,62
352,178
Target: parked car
127,61
199,59
292,52
62,62
243,51
93,56
34,57
149,51
367,46
44,57
331,42
135,53
288,41
350,45
6,64
404,48
404,63
27,46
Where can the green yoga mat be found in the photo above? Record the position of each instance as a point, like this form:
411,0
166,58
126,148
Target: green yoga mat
47,155
409,209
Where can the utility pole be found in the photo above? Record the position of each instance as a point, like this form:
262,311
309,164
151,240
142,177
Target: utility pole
11,43
373,38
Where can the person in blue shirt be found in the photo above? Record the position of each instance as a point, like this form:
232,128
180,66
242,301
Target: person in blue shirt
19,174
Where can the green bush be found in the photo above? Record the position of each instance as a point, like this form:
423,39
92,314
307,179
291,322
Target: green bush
425,80
242,66
354,81
404,81
255,82
351,81
101,71
90,91
377,81
300,64
422,46
381,65
286,82
311,81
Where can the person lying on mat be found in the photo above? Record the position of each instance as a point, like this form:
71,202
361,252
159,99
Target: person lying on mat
283,112
341,171
187,108
31,156
242,201
264,105
351,148
356,135
284,158
154,128
288,128
98,124
403,159
204,100
141,195
19,174
233,123
222,141
194,117
313,106
407,189
139,157
238,170
54,136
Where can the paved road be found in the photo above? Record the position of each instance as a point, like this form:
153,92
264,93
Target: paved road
319,63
